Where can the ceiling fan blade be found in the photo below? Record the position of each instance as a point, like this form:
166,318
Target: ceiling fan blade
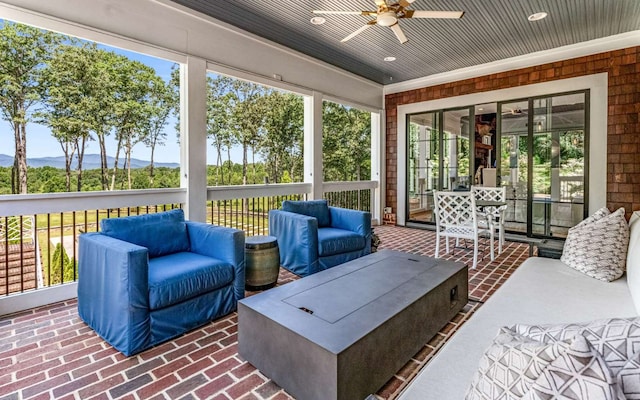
405,3
342,12
399,34
433,14
380,3
357,32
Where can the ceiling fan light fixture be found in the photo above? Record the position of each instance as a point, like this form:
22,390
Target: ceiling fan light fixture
387,18
537,16
318,20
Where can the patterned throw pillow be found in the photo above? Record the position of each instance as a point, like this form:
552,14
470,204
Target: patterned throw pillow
616,339
510,365
603,212
598,246
629,378
548,333
577,373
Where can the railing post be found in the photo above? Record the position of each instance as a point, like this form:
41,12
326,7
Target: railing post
313,144
377,158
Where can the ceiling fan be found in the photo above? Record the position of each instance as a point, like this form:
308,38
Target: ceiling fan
390,14
513,111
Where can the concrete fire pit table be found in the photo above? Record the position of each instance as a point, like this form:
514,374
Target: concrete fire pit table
344,332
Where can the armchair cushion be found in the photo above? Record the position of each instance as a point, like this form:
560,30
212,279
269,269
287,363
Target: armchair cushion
337,241
161,233
319,209
180,276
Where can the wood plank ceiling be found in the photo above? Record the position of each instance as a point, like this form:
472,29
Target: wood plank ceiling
490,30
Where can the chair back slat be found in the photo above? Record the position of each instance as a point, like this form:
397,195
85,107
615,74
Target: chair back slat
489,193
454,209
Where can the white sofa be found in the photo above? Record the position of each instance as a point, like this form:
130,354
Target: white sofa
541,291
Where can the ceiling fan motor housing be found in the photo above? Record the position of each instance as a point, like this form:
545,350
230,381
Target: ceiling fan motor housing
387,18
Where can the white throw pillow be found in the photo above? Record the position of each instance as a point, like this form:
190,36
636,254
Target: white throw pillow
510,365
602,212
598,246
633,259
577,373
629,378
617,340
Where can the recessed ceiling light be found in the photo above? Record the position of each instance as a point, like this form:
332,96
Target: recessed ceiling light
537,16
318,20
390,58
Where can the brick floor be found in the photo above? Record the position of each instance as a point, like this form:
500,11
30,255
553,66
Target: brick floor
48,352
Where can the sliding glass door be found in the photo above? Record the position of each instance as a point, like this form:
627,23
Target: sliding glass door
439,158
558,175
536,147
514,162
549,135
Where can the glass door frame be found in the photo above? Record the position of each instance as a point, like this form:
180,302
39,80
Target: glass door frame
498,150
441,140
530,159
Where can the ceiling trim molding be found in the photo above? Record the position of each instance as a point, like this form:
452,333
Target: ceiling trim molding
616,42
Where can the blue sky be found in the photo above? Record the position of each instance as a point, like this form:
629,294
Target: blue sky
40,143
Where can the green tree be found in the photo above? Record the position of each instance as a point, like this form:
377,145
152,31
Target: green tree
163,99
247,107
346,143
24,51
5,180
218,121
68,102
132,110
282,142
60,261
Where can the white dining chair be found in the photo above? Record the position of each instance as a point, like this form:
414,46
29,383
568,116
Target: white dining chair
457,217
492,217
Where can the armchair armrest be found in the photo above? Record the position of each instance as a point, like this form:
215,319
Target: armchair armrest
297,236
113,290
351,220
226,244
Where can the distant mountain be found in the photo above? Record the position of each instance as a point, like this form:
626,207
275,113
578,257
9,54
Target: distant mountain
90,161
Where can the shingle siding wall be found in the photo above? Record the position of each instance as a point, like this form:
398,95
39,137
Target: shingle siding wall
623,124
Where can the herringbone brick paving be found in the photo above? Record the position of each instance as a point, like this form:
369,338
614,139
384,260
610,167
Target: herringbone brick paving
49,353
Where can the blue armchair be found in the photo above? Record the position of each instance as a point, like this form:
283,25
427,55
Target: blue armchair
313,236
146,279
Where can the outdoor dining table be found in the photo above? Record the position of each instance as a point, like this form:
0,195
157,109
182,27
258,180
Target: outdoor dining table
483,204
488,209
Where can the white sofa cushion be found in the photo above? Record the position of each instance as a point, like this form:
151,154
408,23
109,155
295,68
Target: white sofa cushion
598,246
541,291
633,259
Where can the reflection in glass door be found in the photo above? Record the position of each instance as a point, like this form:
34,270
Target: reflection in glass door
439,151
424,160
514,162
558,162
457,150
549,134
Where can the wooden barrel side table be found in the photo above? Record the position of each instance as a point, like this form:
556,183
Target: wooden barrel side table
262,262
